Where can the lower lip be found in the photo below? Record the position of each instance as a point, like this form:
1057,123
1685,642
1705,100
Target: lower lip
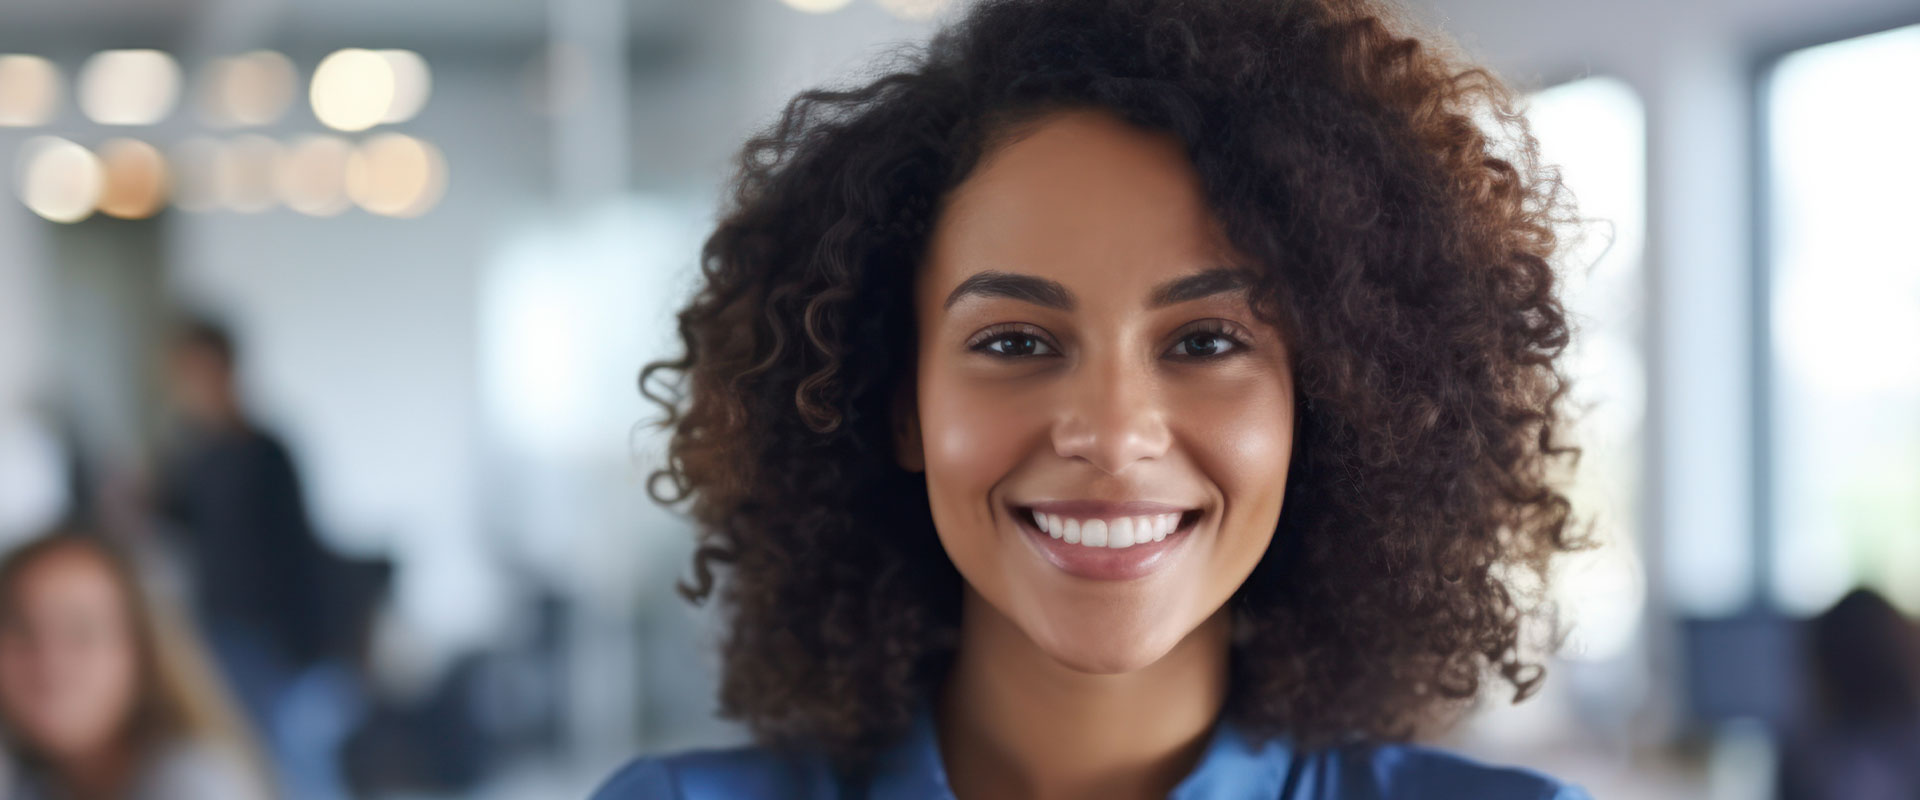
1101,563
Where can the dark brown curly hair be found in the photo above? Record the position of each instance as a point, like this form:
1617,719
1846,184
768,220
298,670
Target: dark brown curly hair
1391,196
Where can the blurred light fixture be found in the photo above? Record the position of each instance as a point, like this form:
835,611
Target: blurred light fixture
248,89
59,180
356,89
196,179
135,179
396,175
128,87
29,90
816,6
352,89
244,174
915,9
313,175
412,83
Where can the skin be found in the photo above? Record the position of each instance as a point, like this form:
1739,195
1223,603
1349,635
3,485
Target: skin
1068,687
200,385
69,669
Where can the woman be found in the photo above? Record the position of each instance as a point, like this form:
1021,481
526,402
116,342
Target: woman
1124,399
101,698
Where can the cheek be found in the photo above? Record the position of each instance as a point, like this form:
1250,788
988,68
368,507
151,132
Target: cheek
107,682
19,686
1242,433
68,694
973,435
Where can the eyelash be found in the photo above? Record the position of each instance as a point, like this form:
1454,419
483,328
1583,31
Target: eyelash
1218,329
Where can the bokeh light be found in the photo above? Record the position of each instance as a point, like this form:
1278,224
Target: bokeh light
250,89
356,89
412,83
313,175
353,89
128,87
59,180
135,179
396,175
29,90
816,6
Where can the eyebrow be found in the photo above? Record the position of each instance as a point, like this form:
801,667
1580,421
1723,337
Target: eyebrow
1051,294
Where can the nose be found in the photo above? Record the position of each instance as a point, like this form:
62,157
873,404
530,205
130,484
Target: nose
1111,417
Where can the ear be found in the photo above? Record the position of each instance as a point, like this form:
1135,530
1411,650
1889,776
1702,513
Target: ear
907,450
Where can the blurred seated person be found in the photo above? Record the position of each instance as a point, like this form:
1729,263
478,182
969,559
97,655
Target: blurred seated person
1862,739
103,696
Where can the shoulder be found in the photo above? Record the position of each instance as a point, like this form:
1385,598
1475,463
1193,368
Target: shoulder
199,771
737,772
1414,772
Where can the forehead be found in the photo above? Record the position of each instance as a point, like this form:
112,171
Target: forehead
65,579
1083,198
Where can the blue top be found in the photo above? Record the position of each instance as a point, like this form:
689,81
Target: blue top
1232,767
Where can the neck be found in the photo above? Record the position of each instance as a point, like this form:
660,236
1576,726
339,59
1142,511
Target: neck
99,773
1013,722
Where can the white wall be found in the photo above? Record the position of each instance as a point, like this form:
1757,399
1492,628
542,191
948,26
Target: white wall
31,491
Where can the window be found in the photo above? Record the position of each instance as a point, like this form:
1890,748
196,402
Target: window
1594,130
1843,153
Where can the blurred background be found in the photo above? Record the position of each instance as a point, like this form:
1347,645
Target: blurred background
420,249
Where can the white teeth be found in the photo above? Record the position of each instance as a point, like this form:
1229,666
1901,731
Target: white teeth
1111,534
1093,533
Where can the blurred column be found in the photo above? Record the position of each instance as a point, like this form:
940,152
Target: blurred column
1699,209
588,47
587,78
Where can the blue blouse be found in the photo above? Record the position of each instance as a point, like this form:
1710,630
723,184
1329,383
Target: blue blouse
1232,767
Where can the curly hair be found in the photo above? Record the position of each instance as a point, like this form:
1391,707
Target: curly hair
1403,227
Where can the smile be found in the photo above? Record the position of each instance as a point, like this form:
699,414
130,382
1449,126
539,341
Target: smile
1116,533
1106,541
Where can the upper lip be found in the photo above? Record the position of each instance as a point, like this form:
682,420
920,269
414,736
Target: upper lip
1098,509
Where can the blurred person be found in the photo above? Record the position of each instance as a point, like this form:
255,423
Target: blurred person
232,502
1005,361
1862,738
103,696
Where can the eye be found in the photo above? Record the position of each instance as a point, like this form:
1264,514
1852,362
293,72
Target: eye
1012,343
1214,339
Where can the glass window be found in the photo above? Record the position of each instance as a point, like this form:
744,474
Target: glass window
1844,157
1594,131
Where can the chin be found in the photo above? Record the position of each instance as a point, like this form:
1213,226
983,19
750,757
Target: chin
1110,649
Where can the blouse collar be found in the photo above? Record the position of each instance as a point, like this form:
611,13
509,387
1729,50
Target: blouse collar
1231,765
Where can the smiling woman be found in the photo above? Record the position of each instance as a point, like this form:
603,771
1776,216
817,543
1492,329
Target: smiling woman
1124,398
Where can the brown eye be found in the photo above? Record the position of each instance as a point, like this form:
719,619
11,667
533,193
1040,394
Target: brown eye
1014,345
1208,343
